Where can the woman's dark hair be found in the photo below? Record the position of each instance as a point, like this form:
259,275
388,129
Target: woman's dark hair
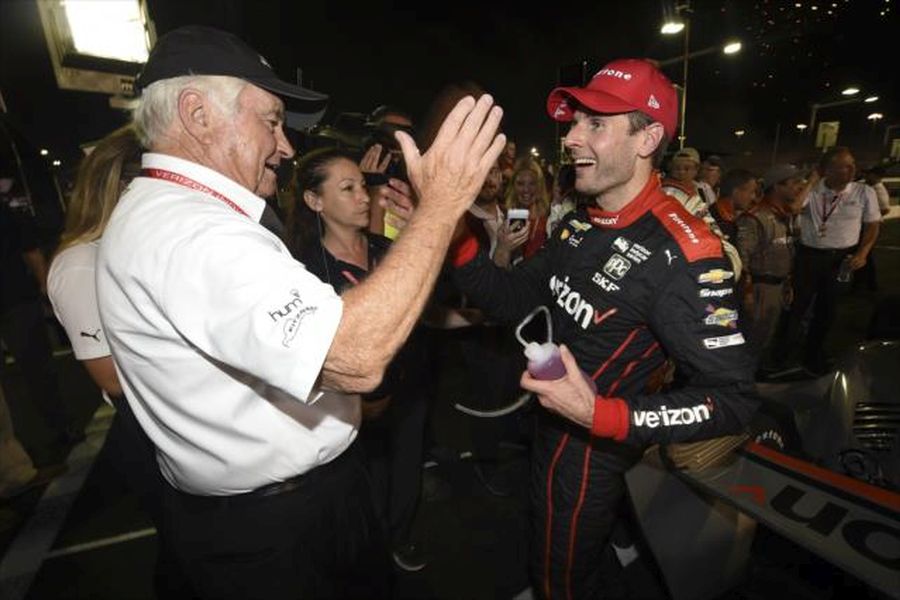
302,226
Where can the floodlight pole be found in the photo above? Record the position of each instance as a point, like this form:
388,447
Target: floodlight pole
682,135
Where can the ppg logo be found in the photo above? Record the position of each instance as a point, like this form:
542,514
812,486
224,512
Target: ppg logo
617,266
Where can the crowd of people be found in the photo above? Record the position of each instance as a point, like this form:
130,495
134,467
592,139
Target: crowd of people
269,355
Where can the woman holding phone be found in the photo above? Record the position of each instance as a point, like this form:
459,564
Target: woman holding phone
528,191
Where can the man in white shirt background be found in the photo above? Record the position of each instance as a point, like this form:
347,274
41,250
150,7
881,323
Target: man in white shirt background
839,224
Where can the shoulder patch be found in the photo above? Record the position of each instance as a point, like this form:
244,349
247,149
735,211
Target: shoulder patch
693,236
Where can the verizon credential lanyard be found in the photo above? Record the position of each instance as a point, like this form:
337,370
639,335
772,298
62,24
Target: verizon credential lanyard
826,214
190,183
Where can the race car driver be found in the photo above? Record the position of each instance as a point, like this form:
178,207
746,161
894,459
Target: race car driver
631,281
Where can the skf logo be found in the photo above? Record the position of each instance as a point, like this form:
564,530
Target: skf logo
669,417
621,244
571,301
617,266
715,276
605,284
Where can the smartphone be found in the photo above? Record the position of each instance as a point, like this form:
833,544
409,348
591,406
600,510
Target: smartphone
516,218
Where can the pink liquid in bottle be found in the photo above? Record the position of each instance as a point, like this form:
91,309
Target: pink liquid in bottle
544,361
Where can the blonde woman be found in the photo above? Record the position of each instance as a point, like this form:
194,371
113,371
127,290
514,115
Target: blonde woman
102,176
527,189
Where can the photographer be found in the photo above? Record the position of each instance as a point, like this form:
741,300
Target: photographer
382,162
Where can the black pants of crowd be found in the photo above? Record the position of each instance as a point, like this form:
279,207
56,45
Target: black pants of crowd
816,285
321,539
24,332
394,452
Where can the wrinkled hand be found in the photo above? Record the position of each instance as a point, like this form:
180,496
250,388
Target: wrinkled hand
452,171
857,261
570,396
370,162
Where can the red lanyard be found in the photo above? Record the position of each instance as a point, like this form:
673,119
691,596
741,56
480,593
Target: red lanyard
835,202
190,183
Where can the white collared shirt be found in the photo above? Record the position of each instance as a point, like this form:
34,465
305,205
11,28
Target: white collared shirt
218,335
845,210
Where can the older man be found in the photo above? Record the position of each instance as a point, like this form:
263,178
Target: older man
630,281
241,366
839,221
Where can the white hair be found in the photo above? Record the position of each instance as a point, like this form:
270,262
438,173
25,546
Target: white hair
158,104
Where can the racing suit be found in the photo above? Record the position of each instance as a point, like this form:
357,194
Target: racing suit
626,290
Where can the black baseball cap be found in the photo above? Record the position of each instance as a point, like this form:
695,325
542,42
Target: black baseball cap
198,50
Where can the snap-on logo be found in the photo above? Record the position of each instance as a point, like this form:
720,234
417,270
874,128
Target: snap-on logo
614,73
684,227
667,417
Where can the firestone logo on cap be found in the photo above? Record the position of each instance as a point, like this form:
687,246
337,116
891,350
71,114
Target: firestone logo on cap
614,73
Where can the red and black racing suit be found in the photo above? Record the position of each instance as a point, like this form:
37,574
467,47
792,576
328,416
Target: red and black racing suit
626,290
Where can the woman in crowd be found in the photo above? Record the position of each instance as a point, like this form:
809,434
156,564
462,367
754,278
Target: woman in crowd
527,189
327,230
102,177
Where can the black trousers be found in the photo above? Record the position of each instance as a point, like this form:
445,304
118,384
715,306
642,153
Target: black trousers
394,453
133,456
816,285
320,540
577,489
24,332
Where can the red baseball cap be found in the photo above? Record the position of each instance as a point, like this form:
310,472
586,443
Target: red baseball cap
624,85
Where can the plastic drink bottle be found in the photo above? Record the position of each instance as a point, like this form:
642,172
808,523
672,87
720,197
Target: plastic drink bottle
544,360
845,273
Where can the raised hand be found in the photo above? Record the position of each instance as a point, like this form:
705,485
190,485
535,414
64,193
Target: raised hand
370,162
452,171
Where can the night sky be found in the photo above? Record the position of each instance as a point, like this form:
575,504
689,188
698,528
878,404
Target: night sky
403,53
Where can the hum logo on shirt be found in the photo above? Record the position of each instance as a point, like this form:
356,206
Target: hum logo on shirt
293,304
